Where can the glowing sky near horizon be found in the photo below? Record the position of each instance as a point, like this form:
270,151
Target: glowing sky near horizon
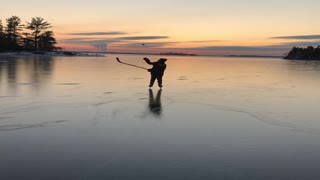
194,26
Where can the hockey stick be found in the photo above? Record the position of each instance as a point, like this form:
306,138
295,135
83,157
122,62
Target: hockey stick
131,64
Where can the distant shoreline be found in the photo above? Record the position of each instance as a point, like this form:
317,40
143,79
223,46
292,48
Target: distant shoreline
202,55
103,54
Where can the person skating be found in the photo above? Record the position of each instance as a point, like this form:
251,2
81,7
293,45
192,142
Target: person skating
157,70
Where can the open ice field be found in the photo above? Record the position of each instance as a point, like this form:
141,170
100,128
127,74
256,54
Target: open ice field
216,118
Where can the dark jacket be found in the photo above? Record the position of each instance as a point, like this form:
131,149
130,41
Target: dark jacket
158,66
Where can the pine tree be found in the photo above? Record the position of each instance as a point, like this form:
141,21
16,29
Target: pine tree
47,41
12,30
37,26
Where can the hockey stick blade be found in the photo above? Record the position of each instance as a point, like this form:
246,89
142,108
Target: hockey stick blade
118,60
130,64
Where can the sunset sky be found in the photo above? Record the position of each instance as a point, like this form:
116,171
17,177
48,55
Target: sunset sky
190,26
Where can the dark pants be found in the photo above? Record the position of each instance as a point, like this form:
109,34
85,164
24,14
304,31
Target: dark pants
154,77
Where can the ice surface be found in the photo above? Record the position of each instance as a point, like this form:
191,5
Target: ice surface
215,118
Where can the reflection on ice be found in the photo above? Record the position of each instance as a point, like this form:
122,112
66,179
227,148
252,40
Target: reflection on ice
155,103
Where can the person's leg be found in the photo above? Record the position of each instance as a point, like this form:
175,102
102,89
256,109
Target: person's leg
153,78
159,78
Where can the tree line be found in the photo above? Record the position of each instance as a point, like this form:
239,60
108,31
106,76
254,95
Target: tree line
34,35
308,53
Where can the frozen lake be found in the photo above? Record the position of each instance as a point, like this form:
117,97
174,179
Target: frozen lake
70,118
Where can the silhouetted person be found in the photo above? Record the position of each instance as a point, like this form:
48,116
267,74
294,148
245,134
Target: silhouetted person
156,71
155,103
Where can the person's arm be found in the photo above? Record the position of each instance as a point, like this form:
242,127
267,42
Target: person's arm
148,61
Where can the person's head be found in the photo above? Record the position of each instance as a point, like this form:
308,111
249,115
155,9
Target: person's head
162,60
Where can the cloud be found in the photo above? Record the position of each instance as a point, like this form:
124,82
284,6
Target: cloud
142,37
159,44
276,47
101,47
97,33
206,41
86,40
244,48
303,43
144,45
162,43
111,40
298,37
